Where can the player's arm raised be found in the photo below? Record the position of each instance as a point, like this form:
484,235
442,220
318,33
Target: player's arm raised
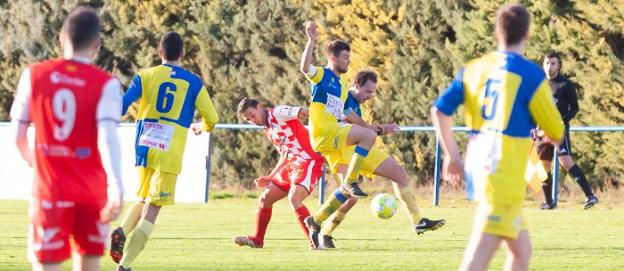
306,57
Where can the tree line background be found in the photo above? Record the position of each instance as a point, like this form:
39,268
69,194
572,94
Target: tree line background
252,48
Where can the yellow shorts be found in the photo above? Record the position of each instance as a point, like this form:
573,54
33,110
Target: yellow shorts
504,220
374,158
158,185
335,140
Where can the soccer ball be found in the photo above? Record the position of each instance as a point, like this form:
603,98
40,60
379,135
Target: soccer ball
384,206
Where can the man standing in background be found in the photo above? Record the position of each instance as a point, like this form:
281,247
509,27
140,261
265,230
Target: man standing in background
564,95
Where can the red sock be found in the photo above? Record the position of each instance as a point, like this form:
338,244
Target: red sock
262,221
302,213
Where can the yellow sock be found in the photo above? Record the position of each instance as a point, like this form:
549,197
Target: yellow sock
334,201
357,160
333,222
137,242
406,197
132,218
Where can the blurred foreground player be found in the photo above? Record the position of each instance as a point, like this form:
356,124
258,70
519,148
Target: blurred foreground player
75,108
504,96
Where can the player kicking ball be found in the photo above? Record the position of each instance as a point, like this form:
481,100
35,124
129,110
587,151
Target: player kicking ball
296,173
376,163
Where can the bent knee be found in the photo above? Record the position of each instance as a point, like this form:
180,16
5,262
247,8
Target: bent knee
264,202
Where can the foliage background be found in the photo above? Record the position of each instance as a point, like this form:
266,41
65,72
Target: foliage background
252,48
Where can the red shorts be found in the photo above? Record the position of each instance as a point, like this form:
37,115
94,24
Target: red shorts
53,222
305,174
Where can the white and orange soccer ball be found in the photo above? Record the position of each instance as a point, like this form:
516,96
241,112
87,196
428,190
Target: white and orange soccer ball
384,206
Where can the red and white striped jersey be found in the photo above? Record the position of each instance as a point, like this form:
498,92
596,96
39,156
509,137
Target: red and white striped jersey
288,134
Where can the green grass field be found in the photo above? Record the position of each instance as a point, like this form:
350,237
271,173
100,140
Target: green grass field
198,237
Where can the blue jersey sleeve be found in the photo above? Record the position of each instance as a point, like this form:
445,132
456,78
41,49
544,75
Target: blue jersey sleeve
452,97
132,94
351,105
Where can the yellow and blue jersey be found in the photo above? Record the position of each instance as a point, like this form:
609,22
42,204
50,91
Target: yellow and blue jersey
505,96
329,93
168,96
352,105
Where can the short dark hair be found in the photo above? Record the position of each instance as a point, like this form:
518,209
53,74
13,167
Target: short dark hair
336,46
81,27
512,23
171,44
246,103
363,76
553,54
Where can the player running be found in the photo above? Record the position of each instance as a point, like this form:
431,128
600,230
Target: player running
379,163
75,108
168,96
296,173
504,96
350,144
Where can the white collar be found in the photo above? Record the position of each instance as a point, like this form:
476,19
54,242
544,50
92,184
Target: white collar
80,59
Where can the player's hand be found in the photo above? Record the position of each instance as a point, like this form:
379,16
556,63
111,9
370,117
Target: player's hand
533,134
311,30
263,181
379,129
197,128
453,168
113,206
548,140
539,133
389,129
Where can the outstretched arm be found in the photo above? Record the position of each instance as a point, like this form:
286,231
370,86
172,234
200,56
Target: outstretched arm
380,129
306,57
353,118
